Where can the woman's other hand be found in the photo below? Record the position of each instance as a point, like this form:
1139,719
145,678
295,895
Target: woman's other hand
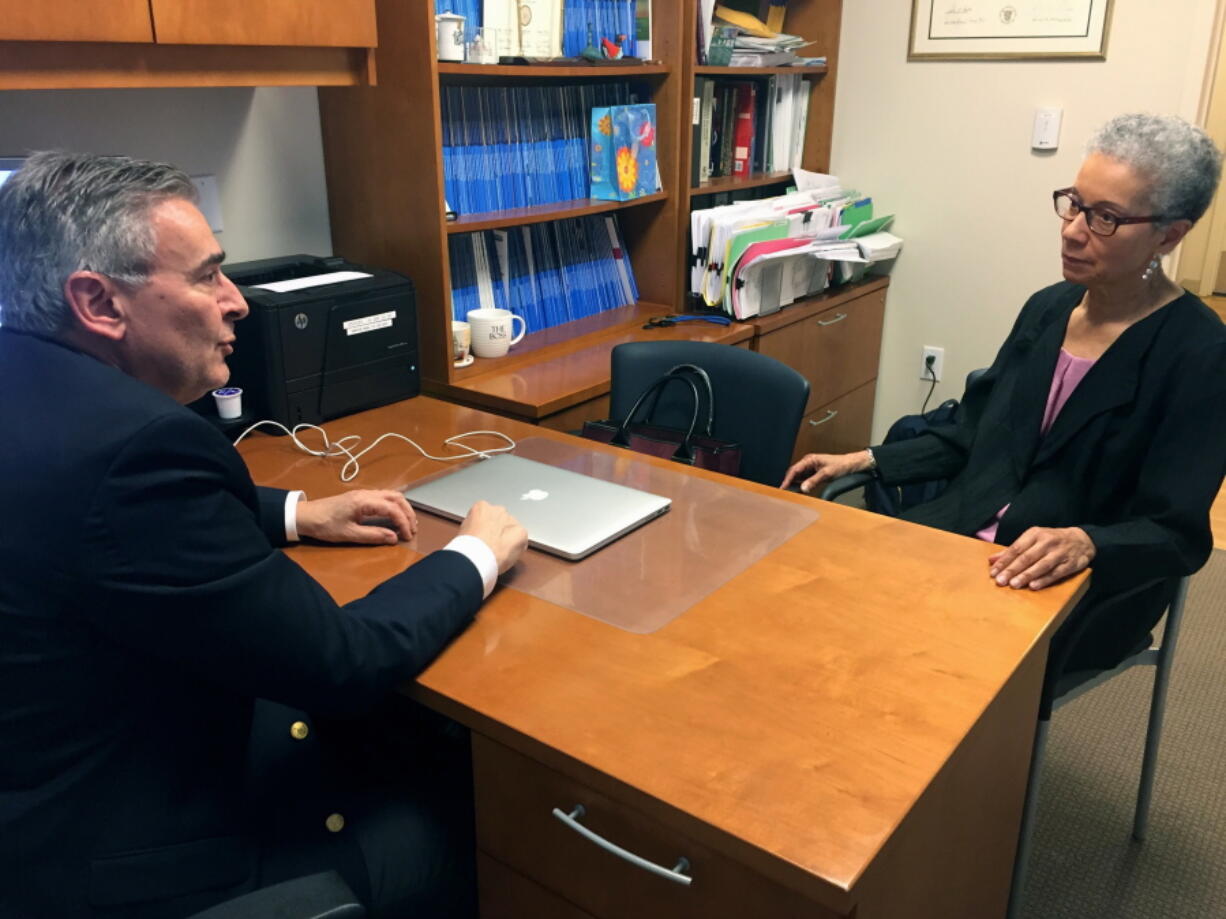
816,469
1041,556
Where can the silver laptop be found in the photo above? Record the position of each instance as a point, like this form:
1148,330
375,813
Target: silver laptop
565,513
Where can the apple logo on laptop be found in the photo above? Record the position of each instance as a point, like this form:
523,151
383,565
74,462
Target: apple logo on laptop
534,494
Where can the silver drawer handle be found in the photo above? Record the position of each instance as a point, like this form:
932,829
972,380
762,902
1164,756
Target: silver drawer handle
572,821
839,318
830,413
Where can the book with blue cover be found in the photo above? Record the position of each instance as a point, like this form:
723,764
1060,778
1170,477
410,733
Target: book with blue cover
623,152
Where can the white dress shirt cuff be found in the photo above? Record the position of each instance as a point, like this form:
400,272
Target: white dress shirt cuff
481,555
291,514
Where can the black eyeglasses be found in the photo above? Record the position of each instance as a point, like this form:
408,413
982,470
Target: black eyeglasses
1103,223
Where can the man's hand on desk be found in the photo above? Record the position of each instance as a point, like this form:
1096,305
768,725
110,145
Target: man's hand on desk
344,518
495,527
1041,556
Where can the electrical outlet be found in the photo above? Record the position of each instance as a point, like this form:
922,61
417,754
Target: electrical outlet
937,356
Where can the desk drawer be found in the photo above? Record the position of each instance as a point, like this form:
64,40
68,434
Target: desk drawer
842,426
515,825
836,350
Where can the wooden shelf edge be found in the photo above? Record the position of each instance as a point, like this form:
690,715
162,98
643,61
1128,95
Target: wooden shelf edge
544,213
731,183
94,65
710,70
503,71
485,383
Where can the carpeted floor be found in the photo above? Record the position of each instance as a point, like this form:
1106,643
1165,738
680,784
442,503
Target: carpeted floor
1085,864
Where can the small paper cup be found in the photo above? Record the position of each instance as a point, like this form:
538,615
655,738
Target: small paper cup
229,401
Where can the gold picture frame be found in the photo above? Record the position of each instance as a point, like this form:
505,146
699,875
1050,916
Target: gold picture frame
996,30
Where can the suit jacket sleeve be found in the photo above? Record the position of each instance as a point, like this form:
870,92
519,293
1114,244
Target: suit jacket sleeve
272,513
1165,529
942,451
176,565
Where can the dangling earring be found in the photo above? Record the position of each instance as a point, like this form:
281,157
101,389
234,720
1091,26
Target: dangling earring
1150,269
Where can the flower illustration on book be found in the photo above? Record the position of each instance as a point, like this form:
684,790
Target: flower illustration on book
627,169
605,125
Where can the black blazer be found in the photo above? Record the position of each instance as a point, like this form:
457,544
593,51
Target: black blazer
143,609
1135,457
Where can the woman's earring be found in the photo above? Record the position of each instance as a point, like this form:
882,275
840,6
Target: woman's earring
1150,269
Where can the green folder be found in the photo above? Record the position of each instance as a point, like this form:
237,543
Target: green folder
737,244
868,226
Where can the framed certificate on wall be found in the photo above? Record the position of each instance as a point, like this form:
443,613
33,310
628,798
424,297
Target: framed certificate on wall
1008,29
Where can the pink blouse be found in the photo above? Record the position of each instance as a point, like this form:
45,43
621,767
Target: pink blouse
1069,372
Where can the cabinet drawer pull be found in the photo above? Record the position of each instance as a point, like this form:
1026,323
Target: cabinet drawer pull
839,318
572,821
830,413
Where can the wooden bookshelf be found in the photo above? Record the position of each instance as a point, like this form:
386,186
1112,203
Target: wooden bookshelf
543,213
383,155
707,70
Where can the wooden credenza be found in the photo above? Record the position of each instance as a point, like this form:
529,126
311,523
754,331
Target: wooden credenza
833,341
842,729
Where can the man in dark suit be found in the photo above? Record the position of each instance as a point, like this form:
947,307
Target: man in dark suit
146,613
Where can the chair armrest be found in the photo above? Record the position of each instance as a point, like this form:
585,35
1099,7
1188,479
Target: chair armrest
844,484
312,897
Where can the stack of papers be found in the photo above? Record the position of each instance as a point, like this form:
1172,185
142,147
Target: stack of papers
755,257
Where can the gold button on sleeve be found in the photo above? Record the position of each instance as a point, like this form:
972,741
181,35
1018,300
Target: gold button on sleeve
335,823
299,730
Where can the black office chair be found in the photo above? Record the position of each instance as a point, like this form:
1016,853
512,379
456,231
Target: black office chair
759,401
316,896
1062,686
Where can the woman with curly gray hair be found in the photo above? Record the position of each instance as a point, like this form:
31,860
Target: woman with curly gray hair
1098,435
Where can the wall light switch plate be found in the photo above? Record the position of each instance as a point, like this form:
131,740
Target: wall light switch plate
210,200
1046,134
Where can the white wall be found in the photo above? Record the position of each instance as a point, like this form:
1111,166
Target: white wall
946,146
262,144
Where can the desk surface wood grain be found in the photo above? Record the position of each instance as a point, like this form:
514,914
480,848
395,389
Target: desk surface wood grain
797,717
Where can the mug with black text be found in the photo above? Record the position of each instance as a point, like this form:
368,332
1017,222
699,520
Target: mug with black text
493,331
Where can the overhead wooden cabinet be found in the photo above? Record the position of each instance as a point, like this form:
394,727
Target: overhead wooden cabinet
76,20
86,44
319,23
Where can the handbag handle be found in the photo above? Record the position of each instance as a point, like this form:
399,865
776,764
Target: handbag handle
621,438
706,382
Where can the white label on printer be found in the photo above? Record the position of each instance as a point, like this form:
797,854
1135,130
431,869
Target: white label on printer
315,280
369,323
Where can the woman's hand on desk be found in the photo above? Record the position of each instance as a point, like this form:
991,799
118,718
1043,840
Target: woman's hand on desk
1041,556
350,517
815,469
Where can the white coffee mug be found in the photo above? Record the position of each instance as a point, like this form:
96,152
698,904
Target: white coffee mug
450,36
493,331
461,343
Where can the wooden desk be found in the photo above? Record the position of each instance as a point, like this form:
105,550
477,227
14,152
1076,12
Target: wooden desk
843,729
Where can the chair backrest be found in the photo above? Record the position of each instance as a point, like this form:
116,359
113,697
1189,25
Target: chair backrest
759,401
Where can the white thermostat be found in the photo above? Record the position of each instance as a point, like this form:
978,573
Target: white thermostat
1046,135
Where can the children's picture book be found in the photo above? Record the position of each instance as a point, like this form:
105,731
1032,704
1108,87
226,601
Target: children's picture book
623,152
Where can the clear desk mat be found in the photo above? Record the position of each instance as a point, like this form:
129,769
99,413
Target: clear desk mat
644,580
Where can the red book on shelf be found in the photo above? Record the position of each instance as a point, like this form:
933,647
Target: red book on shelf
742,136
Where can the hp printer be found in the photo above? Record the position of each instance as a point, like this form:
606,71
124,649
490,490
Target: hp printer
324,338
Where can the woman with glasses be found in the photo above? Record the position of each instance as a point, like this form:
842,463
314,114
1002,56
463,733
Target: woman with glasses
1098,435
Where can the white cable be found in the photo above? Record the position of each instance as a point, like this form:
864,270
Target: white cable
346,445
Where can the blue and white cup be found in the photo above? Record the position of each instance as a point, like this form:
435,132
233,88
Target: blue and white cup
229,401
